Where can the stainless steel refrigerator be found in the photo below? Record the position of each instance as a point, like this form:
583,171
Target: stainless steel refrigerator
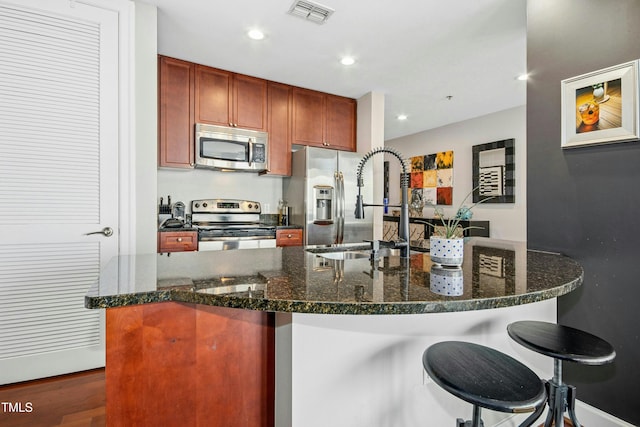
322,193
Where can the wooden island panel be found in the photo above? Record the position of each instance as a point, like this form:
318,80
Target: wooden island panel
190,365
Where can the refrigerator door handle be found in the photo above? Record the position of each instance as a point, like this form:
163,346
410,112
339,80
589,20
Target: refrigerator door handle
336,178
341,208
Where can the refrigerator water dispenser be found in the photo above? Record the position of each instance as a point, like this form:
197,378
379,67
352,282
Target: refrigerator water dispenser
323,202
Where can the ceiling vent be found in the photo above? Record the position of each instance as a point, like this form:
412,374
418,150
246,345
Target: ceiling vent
311,11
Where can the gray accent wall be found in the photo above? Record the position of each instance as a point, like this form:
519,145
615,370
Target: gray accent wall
585,202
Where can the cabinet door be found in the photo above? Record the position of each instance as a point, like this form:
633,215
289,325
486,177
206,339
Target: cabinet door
279,129
176,113
213,96
341,123
249,102
308,117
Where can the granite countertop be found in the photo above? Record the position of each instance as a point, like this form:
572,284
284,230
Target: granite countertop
184,228
289,227
494,274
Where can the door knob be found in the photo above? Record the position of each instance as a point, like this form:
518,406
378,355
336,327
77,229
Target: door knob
107,231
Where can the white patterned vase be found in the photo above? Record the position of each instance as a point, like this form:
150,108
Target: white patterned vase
446,281
445,251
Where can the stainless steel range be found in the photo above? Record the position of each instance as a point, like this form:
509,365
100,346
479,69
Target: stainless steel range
230,224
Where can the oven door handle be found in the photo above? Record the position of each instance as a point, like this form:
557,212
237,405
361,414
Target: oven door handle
225,239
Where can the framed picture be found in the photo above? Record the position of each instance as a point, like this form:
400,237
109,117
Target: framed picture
600,107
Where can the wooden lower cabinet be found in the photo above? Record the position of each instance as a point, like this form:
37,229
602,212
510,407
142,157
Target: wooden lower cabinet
175,364
289,237
177,241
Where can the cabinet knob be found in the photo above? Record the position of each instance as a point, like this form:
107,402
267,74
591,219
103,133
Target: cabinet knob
289,236
179,239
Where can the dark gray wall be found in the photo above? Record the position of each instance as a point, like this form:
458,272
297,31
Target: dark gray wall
585,202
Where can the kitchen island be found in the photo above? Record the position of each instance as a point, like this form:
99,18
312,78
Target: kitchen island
344,334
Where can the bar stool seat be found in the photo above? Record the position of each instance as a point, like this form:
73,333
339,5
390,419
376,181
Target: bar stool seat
563,343
485,378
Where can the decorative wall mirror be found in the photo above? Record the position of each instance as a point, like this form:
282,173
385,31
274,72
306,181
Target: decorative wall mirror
494,168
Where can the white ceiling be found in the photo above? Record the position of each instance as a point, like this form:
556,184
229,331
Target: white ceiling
415,52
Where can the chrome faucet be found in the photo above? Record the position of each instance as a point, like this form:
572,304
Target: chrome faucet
403,227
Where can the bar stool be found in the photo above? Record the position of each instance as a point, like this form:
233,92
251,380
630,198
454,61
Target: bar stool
561,343
485,378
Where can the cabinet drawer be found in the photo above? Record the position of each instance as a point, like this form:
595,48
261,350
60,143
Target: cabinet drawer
289,237
177,241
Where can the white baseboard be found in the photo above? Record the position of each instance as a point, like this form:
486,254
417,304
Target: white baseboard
587,415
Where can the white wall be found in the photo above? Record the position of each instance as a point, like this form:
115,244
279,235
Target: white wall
193,184
144,127
370,132
349,370
507,220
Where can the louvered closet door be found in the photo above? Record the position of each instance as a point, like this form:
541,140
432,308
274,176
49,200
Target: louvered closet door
58,182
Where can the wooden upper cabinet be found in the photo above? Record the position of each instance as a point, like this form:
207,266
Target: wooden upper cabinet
229,99
324,120
249,102
279,128
175,110
191,93
213,96
341,122
308,117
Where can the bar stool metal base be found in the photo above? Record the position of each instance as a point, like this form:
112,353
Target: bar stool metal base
561,343
561,398
476,421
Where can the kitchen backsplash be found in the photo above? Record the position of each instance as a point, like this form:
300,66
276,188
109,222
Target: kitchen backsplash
188,185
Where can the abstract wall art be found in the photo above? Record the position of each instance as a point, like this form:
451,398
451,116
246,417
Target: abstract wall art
432,178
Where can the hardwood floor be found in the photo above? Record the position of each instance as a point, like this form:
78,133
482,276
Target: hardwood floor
74,400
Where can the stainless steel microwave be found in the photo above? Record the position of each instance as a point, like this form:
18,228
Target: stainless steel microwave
230,148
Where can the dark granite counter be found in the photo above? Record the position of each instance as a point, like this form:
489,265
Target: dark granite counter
292,279
289,227
183,228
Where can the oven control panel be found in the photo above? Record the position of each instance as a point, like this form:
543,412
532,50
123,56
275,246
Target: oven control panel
225,206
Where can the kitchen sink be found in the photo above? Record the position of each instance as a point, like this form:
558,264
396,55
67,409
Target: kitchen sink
344,255
232,289
353,252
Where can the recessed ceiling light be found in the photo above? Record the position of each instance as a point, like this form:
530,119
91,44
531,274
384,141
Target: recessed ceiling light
523,77
402,117
347,60
255,34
